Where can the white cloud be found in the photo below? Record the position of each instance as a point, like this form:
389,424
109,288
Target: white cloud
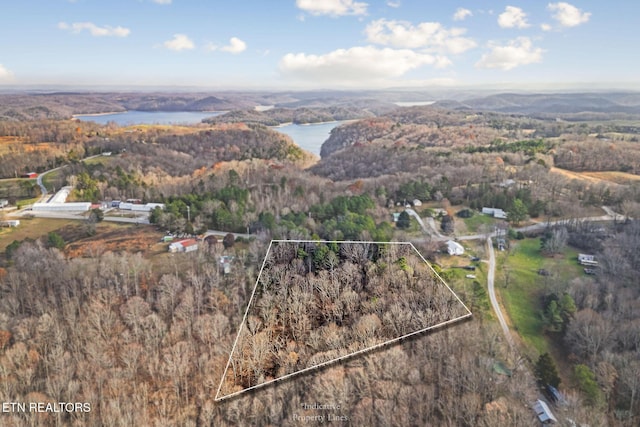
513,17
162,1
428,35
333,7
235,46
94,30
568,15
517,52
357,65
462,14
179,42
393,4
5,74
546,27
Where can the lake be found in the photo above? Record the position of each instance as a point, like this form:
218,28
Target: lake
150,117
309,136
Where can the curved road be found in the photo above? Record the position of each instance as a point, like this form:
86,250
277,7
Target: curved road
491,274
43,189
610,216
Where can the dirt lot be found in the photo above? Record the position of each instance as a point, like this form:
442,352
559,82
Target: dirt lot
108,237
118,238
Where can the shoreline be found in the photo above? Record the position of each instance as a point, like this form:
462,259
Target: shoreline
75,116
314,123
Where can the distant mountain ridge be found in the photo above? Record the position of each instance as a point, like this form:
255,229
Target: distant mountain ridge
562,103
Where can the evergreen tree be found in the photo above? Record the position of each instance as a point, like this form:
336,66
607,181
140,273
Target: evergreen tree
54,240
404,220
518,211
546,371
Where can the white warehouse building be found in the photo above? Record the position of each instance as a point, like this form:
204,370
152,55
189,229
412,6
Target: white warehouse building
140,208
62,207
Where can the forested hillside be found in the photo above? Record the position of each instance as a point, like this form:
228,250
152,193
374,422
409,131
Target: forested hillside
107,315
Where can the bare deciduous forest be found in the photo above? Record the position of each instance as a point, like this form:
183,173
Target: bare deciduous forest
316,302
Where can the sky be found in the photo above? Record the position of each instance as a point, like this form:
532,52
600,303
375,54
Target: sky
314,44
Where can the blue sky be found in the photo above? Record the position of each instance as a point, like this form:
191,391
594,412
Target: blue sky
300,44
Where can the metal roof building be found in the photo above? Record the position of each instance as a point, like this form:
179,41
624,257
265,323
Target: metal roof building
544,413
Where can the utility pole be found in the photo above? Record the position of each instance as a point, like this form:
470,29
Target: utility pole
188,213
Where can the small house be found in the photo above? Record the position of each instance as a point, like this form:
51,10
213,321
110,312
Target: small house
4,203
454,248
187,245
190,245
544,413
495,212
29,175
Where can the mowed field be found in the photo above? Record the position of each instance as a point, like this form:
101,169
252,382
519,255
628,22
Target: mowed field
522,288
607,177
32,228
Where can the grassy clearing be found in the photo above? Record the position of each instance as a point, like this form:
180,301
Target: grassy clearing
477,221
16,187
607,177
52,179
33,228
522,297
455,276
615,177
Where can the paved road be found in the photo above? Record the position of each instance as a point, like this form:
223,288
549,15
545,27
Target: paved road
78,216
492,292
43,189
224,233
610,216
417,217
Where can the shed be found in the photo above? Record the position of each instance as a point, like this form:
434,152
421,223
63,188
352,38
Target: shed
4,203
454,248
225,263
10,223
587,259
543,413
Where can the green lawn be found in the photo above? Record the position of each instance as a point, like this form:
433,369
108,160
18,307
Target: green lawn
463,286
15,187
522,296
33,228
477,221
51,180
